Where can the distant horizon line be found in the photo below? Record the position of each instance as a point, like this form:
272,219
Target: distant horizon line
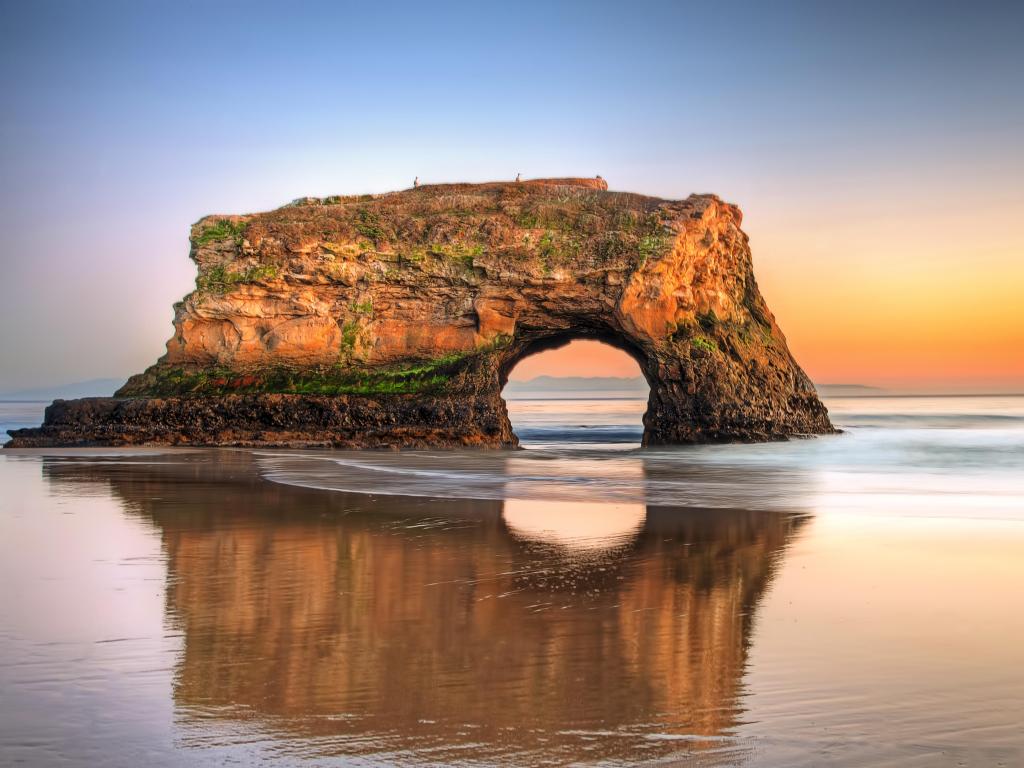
595,396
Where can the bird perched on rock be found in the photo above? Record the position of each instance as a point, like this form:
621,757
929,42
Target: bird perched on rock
519,177
416,182
599,177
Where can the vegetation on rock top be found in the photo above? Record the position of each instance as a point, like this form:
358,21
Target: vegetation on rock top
550,223
222,229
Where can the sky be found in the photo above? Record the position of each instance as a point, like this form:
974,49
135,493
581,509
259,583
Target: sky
876,150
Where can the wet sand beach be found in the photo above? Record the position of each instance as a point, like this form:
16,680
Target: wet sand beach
848,600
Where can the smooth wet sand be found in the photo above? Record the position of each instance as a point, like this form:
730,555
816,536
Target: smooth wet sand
176,608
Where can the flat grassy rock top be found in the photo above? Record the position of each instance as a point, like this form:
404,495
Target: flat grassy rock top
564,216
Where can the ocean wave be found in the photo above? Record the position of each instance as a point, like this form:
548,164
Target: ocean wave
921,471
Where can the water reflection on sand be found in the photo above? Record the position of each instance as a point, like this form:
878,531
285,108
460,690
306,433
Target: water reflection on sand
845,602
447,629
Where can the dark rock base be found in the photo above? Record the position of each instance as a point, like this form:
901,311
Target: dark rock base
346,421
364,422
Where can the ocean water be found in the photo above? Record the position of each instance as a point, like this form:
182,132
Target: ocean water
17,414
848,600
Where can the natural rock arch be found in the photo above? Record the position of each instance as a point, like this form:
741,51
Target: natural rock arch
526,345
394,320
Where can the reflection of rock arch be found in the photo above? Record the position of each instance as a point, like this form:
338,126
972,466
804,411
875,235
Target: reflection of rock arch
299,606
578,526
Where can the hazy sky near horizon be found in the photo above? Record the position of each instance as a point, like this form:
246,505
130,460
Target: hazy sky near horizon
876,150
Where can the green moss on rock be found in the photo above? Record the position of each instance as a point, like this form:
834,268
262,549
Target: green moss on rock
221,280
222,229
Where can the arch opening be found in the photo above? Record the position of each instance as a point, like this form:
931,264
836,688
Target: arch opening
577,390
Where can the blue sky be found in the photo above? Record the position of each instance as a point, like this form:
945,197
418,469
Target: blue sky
123,122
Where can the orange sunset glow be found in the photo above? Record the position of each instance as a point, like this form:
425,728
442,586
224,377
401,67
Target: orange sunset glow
929,297
924,298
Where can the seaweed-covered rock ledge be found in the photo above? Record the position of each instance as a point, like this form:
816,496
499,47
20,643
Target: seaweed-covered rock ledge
394,320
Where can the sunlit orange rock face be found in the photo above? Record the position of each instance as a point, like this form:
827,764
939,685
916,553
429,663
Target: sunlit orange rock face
435,293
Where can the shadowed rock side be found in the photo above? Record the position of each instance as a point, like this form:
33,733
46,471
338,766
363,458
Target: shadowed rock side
387,626
395,319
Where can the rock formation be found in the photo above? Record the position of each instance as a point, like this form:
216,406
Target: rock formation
395,319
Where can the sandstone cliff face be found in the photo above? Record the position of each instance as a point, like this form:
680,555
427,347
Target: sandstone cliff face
416,302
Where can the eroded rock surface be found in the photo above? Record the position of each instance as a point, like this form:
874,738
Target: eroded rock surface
394,320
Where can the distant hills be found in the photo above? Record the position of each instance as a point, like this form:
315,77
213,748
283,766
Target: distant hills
90,388
568,386
849,390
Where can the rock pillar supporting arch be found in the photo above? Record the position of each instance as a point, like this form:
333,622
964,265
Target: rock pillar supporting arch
696,394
